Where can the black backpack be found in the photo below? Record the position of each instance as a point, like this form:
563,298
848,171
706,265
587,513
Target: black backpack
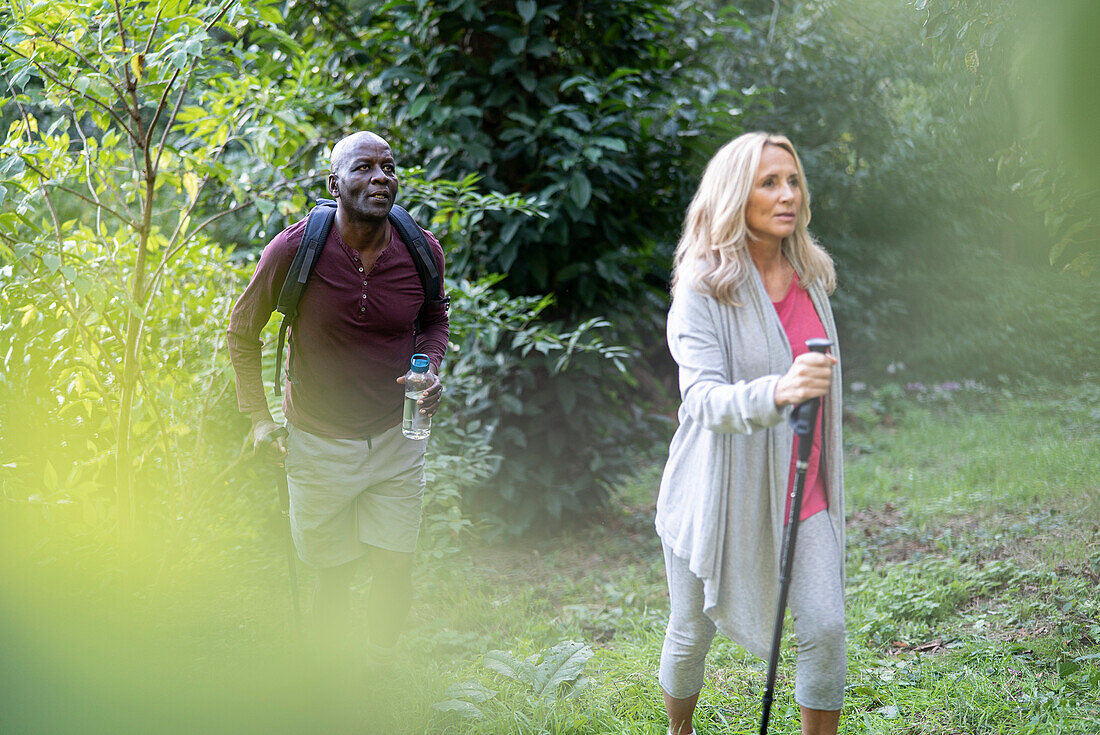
318,225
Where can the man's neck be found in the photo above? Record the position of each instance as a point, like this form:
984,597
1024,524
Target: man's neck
364,236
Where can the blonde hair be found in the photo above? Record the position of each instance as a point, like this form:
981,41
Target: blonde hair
713,252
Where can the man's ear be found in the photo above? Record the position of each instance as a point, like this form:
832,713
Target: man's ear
332,186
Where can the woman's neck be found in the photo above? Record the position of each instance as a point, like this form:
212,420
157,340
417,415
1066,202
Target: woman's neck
767,256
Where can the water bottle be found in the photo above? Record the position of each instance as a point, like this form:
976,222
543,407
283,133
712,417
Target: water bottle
416,425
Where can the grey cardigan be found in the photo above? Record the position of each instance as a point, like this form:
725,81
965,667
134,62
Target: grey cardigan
722,500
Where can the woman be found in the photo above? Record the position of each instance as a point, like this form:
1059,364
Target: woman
750,287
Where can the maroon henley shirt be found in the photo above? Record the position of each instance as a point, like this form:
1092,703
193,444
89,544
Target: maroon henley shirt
353,337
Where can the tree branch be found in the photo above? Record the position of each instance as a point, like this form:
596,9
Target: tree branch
68,87
122,218
91,183
88,62
175,111
153,29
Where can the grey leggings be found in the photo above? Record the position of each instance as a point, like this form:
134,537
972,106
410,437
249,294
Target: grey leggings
816,602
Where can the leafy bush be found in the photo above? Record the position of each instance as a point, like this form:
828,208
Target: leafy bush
549,399
549,676
599,109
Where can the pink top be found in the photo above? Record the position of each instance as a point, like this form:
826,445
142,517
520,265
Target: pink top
353,337
801,322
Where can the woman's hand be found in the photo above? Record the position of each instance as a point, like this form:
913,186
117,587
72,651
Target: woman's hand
808,378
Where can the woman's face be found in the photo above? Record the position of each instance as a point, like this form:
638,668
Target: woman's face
772,209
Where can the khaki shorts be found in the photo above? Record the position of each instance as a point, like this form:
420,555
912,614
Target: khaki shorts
347,494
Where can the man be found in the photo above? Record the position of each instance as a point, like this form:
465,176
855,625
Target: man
356,483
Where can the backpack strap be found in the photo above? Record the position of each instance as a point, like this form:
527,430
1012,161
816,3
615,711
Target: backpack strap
421,252
318,225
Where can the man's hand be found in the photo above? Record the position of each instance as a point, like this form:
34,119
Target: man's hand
433,394
268,438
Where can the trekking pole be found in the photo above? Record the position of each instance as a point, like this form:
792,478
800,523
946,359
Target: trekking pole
292,567
803,420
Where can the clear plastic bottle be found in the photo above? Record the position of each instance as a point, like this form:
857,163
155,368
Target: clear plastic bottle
416,425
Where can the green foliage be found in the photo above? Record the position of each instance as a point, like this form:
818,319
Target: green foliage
925,189
598,109
1023,63
920,593
125,116
528,387
61,379
554,673
546,673
116,170
1011,643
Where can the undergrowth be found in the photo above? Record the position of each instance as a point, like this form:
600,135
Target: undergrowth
971,601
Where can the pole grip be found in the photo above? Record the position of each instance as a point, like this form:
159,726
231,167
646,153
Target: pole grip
805,414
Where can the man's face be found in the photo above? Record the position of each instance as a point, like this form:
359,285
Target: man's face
364,176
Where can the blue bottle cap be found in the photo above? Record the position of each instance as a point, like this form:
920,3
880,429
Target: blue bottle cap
420,363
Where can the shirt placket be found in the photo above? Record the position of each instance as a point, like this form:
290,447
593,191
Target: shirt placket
363,276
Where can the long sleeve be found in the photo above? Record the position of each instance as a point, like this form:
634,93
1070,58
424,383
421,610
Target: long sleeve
249,317
709,394
435,326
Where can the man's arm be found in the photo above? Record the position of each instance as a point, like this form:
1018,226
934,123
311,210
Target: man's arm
434,332
435,324
247,320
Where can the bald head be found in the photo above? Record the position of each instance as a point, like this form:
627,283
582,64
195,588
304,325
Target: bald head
346,147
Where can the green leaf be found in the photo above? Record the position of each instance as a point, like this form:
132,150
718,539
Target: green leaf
418,106
580,190
471,690
458,706
509,230
82,286
562,664
526,10
527,80
51,261
271,14
21,77
507,665
614,144
1068,668
1057,249
13,165
889,712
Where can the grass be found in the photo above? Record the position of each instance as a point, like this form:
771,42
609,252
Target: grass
974,524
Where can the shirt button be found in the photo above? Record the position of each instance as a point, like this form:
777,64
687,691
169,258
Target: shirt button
364,283
362,308
364,296
360,269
